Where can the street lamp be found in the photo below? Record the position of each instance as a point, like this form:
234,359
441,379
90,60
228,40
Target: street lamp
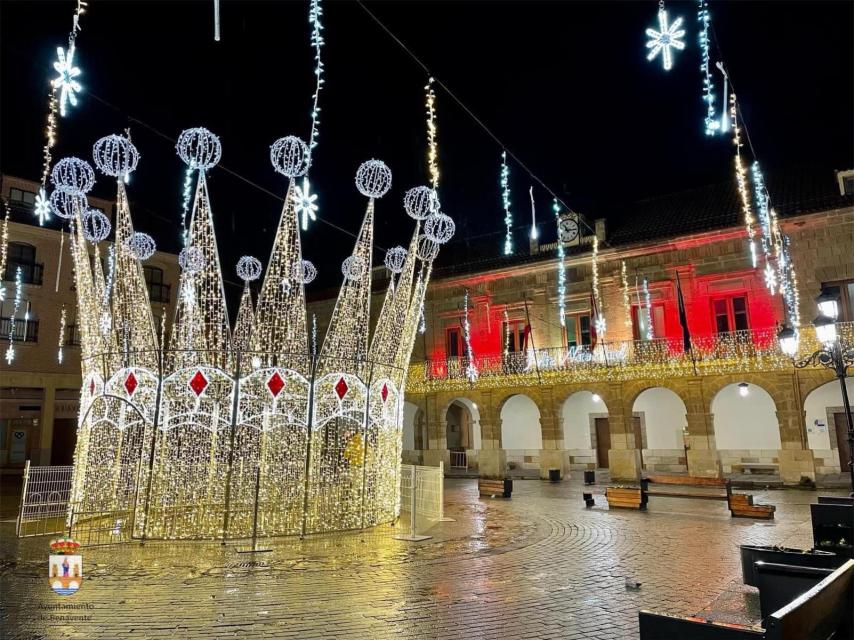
834,355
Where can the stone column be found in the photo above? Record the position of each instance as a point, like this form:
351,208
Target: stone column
46,431
702,455
437,443
796,458
491,459
623,459
552,455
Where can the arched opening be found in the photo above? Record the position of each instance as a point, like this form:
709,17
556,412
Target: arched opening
414,433
827,427
586,435
462,432
521,435
747,433
659,422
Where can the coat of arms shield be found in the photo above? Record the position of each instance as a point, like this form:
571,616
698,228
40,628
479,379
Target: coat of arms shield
65,566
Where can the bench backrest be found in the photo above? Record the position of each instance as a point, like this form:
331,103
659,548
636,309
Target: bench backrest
836,500
661,626
688,481
819,612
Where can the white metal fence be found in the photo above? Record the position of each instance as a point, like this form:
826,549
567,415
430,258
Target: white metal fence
459,460
44,500
421,497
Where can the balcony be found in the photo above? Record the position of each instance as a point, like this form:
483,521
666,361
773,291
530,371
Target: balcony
735,352
25,330
158,292
72,336
31,273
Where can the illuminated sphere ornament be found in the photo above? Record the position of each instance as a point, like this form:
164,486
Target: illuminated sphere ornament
115,156
373,179
427,249
306,272
199,148
67,201
73,173
394,259
353,268
96,226
248,268
191,259
289,156
141,245
439,228
420,202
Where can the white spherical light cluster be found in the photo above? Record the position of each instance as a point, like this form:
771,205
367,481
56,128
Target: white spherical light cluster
191,259
427,249
373,179
420,202
67,201
394,259
115,156
289,156
305,272
353,268
439,228
96,226
199,148
141,245
248,268
74,174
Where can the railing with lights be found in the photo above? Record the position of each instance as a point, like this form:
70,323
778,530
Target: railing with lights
733,352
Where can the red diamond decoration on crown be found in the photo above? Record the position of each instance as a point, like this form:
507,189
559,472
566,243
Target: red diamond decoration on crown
92,387
131,383
384,392
275,384
341,388
198,383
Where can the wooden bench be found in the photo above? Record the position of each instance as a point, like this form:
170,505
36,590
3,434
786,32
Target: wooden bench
740,505
821,611
494,488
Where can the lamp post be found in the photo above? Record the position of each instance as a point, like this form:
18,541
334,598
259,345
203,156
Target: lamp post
834,355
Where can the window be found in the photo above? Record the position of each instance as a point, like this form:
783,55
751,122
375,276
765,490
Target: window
844,292
730,314
24,256
20,196
24,330
454,342
514,335
157,291
639,320
578,330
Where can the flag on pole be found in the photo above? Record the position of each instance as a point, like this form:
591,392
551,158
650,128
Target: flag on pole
683,318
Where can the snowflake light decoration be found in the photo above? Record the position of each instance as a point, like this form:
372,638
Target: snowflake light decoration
770,277
304,203
42,208
65,81
666,38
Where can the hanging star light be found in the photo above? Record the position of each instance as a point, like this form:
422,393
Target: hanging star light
666,38
65,81
304,202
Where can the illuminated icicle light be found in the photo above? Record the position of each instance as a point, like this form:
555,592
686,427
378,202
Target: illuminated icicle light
4,247
533,215
624,288
704,18
600,314
66,81
315,12
10,350
506,334
647,308
216,20
62,321
313,334
666,38
505,199
741,179
561,269
765,225
185,204
432,134
724,125
304,203
422,320
471,367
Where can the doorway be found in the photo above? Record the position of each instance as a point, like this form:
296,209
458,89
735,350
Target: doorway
841,424
636,430
603,441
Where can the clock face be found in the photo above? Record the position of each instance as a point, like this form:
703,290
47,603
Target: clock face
568,230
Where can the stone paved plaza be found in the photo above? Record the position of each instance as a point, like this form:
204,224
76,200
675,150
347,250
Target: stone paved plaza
539,565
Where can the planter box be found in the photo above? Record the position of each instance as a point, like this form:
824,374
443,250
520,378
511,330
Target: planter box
781,555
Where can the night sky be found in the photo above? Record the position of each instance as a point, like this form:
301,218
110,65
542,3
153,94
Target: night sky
565,86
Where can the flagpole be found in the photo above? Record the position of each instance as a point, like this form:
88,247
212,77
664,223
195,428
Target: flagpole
531,338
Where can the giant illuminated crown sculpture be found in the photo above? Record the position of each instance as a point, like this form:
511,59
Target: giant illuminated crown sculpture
178,434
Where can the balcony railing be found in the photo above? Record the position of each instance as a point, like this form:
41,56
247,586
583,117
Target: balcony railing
72,336
31,272
735,352
25,330
159,292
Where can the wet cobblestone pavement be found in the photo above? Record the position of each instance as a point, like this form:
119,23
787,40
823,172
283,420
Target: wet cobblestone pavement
539,565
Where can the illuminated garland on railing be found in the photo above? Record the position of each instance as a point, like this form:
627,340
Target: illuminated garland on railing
741,178
597,298
10,350
561,269
624,287
505,199
704,18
